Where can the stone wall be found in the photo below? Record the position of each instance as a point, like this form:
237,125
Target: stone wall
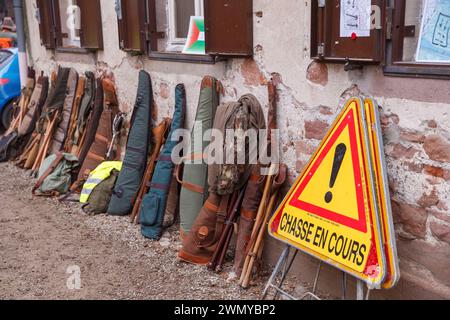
415,116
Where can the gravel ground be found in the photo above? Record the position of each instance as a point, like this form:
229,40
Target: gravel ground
41,238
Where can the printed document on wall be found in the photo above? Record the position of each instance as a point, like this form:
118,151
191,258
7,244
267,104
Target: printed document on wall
434,42
355,18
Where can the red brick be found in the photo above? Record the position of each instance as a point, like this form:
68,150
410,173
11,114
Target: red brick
432,124
434,181
317,73
300,165
434,171
437,148
414,167
252,74
399,151
429,200
441,231
412,136
350,92
440,215
327,111
435,258
412,218
304,148
316,129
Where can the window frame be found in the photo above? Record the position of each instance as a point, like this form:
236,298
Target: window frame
46,21
152,35
72,32
326,45
173,41
394,66
91,39
123,27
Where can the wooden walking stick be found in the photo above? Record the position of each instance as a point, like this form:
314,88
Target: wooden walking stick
31,157
259,242
40,147
259,219
30,151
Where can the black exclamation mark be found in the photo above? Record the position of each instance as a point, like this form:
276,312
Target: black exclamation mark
339,154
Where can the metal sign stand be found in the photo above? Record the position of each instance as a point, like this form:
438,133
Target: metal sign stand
282,269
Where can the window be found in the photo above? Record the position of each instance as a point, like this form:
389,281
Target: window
409,38
70,24
180,12
357,40
69,12
133,26
418,41
163,25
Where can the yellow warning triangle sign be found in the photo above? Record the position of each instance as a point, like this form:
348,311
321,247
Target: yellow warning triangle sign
331,212
382,193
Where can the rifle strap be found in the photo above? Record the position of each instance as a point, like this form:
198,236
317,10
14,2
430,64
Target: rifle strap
187,185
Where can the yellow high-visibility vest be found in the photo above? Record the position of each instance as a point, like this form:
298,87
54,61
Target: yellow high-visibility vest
100,174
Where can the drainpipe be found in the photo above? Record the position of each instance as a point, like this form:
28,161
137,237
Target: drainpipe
23,63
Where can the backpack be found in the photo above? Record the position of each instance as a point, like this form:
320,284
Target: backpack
101,195
98,188
55,175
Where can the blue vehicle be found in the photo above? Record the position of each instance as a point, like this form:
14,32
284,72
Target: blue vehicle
10,87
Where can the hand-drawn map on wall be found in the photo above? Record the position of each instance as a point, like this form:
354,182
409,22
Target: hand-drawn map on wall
434,40
355,18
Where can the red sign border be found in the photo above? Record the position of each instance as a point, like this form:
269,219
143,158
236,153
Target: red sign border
361,223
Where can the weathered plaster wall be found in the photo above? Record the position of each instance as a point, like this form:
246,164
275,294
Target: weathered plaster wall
415,120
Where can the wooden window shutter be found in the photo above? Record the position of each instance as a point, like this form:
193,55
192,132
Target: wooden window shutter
44,15
91,33
328,45
229,27
131,22
151,26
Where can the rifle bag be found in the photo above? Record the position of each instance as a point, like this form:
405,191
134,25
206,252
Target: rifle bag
130,177
37,101
223,180
59,137
154,202
104,131
87,104
92,126
194,182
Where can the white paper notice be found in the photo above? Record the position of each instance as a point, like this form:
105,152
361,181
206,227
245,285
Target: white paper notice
355,18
